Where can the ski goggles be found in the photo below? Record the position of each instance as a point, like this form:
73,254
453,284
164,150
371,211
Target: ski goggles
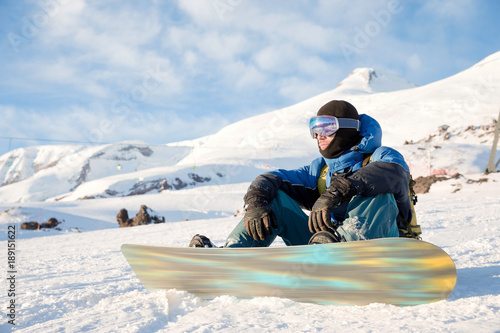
328,125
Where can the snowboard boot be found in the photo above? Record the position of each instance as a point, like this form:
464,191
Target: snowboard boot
325,237
201,241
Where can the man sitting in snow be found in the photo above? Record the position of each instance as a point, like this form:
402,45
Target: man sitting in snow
360,202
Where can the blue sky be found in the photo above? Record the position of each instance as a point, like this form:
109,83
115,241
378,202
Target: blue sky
164,71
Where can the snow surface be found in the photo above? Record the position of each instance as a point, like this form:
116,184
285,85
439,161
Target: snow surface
76,280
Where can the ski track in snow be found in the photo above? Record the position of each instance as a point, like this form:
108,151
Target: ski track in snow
79,282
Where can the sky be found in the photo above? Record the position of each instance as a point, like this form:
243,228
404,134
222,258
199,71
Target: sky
94,72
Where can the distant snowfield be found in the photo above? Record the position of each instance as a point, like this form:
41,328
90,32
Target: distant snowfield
75,279
76,282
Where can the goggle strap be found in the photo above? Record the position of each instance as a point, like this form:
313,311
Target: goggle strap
349,123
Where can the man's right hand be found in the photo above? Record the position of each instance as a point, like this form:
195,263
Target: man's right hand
260,220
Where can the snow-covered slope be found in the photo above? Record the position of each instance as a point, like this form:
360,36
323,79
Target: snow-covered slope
80,282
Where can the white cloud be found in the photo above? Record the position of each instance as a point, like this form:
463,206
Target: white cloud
178,38
314,65
450,9
202,12
109,38
249,77
345,15
221,47
279,58
191,59
414,63
101,50
57,71
297,89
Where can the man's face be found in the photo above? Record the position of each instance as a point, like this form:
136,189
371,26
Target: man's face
324,141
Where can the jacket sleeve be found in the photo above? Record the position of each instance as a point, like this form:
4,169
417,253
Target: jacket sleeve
299,184
380,178
386,173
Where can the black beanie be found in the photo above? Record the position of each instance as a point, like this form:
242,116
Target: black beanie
345,138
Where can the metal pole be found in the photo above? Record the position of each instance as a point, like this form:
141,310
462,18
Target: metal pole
491,167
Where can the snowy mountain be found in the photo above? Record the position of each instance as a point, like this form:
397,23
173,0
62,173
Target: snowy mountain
367,80
277,139
75,279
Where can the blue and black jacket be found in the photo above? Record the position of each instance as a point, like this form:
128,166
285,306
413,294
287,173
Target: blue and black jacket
387,172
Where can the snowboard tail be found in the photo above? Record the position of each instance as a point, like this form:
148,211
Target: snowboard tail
395,271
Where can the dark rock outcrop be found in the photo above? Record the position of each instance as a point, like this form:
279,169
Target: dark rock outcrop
143,217
51,223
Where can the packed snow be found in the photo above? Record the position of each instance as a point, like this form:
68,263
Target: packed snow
75,279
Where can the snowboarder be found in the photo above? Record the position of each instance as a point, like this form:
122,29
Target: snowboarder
361,201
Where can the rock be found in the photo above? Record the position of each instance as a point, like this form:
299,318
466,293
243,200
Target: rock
143,217
122,218
30,225
423,184
51,223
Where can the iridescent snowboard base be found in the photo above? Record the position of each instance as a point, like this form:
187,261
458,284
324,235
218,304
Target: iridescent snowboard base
397,271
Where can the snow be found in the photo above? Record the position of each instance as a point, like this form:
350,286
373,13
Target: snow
368,80
75,279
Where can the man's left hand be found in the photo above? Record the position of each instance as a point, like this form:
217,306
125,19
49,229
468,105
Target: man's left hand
341,189
320,218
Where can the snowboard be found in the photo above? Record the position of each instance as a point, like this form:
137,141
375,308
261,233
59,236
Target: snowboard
399,271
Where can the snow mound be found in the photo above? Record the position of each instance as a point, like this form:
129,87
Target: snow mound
369,80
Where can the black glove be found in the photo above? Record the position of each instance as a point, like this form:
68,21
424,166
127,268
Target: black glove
260,219
340,190
320,219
